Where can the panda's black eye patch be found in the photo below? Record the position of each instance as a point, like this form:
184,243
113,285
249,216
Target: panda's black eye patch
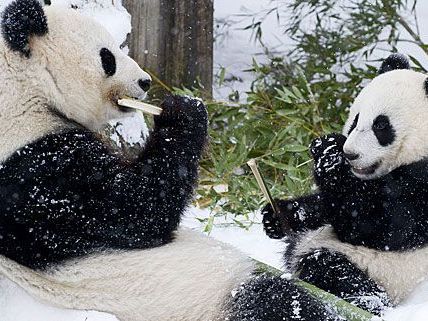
383,130
108,61
354,124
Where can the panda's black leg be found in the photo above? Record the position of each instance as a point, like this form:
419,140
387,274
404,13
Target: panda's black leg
333,272
268,298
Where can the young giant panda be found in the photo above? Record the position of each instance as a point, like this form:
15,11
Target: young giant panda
81,227
373,194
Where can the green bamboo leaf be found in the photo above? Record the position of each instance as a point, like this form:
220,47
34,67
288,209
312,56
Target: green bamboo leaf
295,148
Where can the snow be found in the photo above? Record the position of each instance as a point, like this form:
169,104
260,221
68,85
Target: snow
16,305
233,48
414,309
252,241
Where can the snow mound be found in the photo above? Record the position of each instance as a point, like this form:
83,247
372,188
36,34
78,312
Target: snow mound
17,305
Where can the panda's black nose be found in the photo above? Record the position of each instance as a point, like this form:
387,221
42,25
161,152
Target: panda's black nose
145,84
351,156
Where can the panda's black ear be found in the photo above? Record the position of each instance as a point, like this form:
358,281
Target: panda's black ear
21,20
394,62
426,86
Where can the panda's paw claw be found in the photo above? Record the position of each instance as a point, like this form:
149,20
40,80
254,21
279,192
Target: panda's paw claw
327,144
183,112
327,152
272,223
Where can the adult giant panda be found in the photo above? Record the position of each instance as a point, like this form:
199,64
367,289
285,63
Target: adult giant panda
373,194
81,227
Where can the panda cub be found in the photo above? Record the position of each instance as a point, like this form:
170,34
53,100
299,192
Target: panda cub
363,236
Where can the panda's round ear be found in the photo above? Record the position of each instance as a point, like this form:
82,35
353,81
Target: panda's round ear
22,19
394,62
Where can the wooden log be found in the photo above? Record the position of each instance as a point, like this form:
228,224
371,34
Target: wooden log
173,39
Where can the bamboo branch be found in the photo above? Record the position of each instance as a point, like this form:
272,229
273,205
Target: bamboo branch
139,105
345,309
262,184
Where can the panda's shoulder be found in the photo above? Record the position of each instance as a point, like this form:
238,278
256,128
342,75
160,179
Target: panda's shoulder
67,139
72,146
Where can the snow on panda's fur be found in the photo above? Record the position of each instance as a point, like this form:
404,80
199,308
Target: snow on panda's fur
80,226
373,193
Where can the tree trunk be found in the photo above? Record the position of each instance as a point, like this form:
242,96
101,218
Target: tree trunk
173,39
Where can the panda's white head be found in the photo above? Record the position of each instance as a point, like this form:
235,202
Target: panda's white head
388,122
70,60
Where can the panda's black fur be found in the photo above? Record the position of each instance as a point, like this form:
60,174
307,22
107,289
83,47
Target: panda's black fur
394,62
67,195
387,214
108,62
81,227
20,20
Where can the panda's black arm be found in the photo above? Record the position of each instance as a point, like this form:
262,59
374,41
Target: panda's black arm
299,214
67,195
332,176
154,191
387,212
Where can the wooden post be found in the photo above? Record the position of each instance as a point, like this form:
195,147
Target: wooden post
173,39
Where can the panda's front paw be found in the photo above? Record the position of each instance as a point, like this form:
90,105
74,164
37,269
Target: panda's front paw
327,152
286,221
327,145
271,223
183,113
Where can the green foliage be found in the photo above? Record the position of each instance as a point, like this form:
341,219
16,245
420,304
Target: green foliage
297,97
275,126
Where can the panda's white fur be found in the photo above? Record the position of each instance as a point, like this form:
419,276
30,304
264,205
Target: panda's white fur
404,99
403,96
31,86
188,279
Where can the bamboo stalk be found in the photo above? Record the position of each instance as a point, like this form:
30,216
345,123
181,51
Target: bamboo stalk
262,184
345,309
139,105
